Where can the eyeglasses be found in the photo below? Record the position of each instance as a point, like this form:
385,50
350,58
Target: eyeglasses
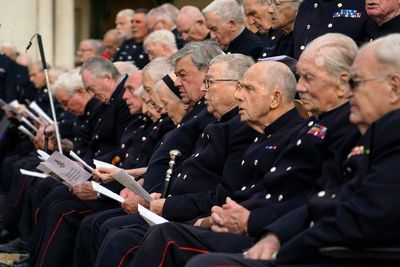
355,83
210,82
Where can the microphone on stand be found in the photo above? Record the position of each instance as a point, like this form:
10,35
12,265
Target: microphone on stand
173,154
44,64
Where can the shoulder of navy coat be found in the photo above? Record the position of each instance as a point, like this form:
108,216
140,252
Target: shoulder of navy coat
247,43
391,26
130,50
141,151
182,138
84,126
110,125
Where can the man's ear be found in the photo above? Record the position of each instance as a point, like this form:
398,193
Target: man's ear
108,77
232,25
276,99
394,83
343,84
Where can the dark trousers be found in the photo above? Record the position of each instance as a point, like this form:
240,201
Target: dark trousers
233,260
58,222
88,240
173,244
18,186
121,242
224,259
35,197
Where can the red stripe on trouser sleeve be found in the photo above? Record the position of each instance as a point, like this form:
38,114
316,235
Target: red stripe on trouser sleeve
52,234
171,242
36,214
20,191
126,254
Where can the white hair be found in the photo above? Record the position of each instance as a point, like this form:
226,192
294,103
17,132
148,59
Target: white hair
171,10
159,14
158,68
126,13
139,91
235,64
8,44
125,67
226,10
69,81
388,51
336,52
161,37
97,45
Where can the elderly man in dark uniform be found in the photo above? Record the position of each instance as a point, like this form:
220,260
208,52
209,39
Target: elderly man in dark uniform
317,17
131,28
225,21
283,15
258,15
312,155
364,212
386,13
191,24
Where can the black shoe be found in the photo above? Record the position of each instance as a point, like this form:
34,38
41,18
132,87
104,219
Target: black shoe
14,246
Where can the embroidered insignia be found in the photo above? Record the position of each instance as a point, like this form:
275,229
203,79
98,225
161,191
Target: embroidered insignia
347,13
318,130
358,150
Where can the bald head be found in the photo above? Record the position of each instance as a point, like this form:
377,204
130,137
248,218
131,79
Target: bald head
265,93
186,20
276,75
111,42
